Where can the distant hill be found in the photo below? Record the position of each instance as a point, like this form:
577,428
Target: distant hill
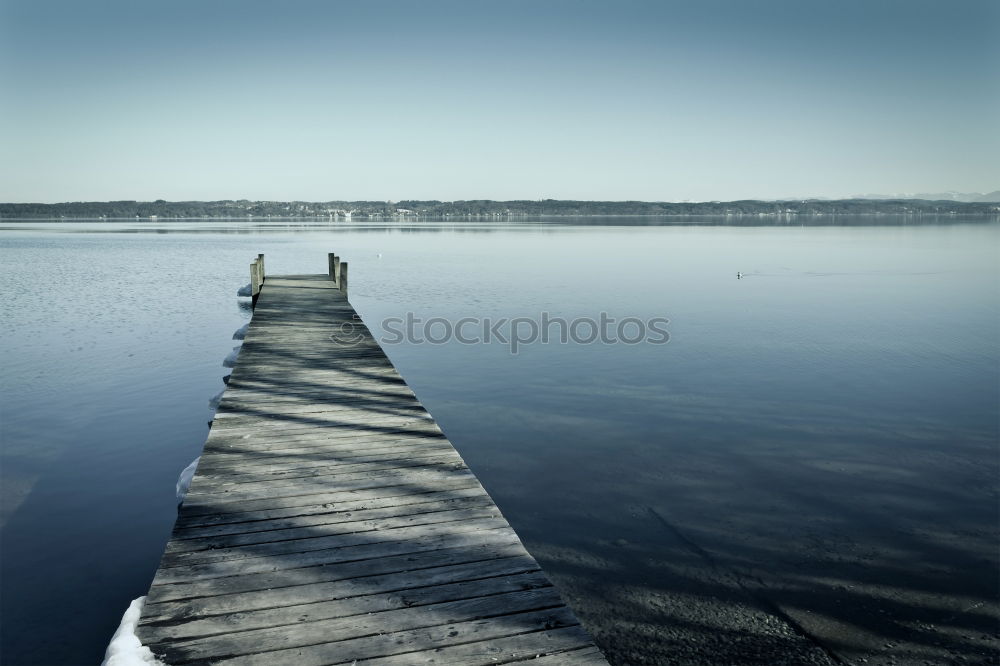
480,209
992,197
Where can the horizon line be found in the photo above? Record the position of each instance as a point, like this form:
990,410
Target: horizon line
872,197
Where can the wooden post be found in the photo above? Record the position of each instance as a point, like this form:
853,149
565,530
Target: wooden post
260,262
330,258
254,281
342,283
336,271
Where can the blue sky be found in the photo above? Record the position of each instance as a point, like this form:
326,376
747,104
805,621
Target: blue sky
713,99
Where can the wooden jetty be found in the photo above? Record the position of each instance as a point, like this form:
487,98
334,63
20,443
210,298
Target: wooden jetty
331,522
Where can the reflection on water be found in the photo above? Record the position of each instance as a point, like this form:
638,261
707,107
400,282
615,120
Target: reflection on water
808,467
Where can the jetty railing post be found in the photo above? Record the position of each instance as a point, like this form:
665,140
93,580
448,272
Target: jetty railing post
336,271
260,267
342,282
330,258
256,279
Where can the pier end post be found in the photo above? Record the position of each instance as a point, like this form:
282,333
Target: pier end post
254,281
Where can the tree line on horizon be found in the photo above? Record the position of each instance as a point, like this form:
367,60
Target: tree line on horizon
244,208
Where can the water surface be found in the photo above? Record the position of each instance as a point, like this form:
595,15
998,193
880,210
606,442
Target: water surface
808,468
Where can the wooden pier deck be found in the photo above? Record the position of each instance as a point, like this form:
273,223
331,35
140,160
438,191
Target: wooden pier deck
331,522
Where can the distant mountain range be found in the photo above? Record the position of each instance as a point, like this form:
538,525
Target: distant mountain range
991,197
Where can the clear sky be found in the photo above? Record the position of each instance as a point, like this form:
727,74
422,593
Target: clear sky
421,99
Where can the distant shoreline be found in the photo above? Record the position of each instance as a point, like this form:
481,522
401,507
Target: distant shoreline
489,218
229,209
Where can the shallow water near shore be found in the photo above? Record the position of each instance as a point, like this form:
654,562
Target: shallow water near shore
808,471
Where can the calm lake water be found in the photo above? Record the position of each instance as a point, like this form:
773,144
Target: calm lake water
809,467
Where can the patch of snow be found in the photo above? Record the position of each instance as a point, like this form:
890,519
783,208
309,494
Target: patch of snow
213,402
125,648
244,290
241,332
230,360
184,480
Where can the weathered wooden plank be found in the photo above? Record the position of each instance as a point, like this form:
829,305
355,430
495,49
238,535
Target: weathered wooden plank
266,498
521,625
272,507
330,406
510,562
276,423
330,442
249,462
358,379
247,407
268,555
294,387
561,643
333,445
294,415
215,482
587,656
313,627
293,433
304,525
327,502
315,537
342,448
314,455
359,596
331,521
412,541
241,475
210,490
470,547
236,459
244,470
